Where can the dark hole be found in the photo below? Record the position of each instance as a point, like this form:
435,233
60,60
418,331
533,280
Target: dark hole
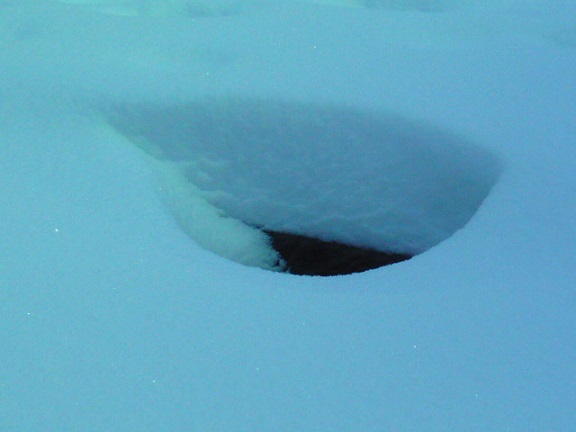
310,256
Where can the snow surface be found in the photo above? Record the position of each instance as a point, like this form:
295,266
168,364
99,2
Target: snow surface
113,319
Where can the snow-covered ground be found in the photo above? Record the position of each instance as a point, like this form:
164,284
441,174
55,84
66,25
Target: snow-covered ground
113,317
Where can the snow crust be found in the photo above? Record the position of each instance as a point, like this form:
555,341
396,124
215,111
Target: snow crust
113,319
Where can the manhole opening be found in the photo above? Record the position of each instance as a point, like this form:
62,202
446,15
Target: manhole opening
306,188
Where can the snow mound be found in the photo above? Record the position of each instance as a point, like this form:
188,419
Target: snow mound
328,172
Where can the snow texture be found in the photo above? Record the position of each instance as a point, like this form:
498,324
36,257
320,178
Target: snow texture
113,319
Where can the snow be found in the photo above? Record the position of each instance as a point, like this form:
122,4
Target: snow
114,319
322,171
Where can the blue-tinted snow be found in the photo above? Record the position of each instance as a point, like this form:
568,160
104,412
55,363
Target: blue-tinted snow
112,319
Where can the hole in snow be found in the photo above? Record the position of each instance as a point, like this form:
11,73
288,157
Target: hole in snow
308,189
304,255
